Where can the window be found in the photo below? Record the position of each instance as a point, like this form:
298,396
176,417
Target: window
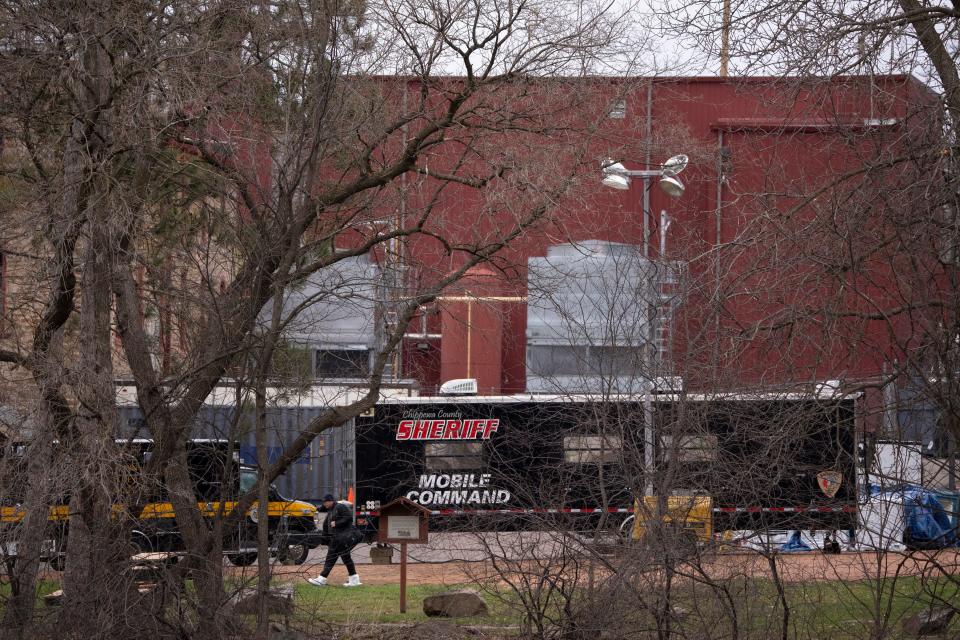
618,109
454,456
343,363
591,449
690,448
248,480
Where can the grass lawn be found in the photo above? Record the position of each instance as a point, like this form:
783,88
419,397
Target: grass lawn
369,603
848,609
833,610
817,609
381,603
44,587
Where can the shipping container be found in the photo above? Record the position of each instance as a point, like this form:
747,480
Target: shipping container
326,466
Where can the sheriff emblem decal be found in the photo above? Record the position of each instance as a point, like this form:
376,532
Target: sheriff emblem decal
829,482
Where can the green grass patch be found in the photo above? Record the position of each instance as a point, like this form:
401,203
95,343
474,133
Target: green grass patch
859,609
381,603
44,587
834,609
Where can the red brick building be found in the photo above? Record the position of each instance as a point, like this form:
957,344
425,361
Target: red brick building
773,165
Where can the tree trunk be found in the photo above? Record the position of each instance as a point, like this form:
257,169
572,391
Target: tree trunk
23,576
93,579
204,549
263,521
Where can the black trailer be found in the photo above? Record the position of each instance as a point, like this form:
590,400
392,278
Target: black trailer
767,461
218,480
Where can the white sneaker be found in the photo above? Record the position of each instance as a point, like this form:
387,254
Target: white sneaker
319,581
353,581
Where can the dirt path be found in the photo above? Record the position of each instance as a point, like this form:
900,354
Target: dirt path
806,567
799,567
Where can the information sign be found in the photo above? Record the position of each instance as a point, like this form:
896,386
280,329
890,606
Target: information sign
403,527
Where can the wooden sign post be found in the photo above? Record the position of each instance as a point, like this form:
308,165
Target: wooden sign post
403,521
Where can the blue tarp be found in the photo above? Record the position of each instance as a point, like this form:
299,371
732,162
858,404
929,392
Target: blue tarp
795,543
927,523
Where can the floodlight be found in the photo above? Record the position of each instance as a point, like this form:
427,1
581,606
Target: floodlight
671,186
615,181
613,168
674,165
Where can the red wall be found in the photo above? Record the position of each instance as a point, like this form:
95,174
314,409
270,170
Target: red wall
784,140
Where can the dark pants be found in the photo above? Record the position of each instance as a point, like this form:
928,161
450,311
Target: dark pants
335,551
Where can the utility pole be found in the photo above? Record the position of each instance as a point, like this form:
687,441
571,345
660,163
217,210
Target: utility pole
617,176
725,40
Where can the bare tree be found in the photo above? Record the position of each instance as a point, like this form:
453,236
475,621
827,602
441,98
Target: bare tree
182,165
873,235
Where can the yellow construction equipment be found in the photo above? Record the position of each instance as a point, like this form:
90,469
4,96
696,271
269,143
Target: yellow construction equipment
691,515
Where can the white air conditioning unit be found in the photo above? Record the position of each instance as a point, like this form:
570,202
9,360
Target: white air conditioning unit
459,387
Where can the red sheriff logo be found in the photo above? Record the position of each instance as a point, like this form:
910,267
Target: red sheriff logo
458,429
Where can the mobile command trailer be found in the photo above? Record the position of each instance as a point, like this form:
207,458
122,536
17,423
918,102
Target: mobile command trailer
784,461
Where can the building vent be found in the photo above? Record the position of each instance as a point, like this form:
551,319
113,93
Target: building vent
588,319
332,317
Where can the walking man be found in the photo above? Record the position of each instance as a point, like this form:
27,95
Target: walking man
343,537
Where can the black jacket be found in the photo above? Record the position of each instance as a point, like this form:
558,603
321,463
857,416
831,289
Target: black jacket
339,525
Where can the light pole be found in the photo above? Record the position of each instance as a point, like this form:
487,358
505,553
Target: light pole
616,176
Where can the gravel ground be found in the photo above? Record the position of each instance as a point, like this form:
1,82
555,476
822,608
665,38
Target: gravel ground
456,558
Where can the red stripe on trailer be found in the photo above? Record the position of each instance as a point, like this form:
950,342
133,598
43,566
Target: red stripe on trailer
751,509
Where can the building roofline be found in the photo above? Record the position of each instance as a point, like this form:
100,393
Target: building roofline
684,79
906,79
613,398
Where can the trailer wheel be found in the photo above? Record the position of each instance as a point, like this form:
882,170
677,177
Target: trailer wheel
242,559
296,554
